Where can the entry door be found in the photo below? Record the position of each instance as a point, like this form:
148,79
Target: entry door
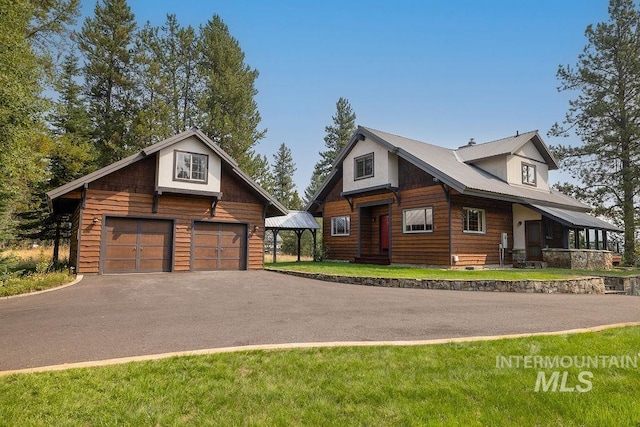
218,246
533,234
384,233
132,245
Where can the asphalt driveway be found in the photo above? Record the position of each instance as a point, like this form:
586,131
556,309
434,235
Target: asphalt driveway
106,317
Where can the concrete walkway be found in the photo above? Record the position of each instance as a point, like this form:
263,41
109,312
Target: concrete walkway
106,317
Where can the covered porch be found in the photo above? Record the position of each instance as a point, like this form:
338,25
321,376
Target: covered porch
296,221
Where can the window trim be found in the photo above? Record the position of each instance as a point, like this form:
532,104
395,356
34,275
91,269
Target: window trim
364,157
193,181
348,226
524,165
404,223
465,223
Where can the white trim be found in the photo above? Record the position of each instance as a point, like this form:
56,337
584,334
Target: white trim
347,226
484,221
404,226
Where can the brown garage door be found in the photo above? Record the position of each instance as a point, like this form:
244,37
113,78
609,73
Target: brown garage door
218,246
132,245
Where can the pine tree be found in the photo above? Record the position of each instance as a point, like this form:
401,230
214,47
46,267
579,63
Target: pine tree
106,42
337,136
230,114
606,116
283,188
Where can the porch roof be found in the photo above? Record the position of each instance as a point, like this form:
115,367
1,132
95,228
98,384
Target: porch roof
294,220
574,219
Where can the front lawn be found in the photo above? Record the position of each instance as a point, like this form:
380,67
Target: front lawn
398,272
451,384
15,285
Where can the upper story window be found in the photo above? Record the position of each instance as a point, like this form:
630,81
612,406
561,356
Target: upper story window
190,166
474,220
528,174
417,220
340,225
363,166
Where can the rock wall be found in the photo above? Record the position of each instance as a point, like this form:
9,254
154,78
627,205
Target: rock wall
585,285
583,259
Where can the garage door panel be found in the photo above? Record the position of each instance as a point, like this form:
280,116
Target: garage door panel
229,264
155,239
122,238
153,265
205,240
119,265
158,252
218,246
121,252
137,245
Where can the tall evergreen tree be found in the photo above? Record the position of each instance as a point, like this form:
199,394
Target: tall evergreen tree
283,188
229,111
166,57
337,136
606,116
106,42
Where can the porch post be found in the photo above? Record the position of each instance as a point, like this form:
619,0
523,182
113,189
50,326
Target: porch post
313,233
299,236
56,244
604,240
275,244
359,232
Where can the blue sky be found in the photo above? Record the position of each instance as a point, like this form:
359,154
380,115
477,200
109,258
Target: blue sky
437,71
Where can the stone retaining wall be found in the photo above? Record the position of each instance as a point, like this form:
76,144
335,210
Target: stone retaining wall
585,285
630,285
584,259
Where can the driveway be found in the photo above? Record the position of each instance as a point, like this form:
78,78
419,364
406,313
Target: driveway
106,317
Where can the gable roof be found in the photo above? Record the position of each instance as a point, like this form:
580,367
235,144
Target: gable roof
506,146
294,220
152,149
447,166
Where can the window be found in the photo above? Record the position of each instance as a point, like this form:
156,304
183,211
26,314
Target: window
473,220
528,174
340,225
363,166
417,220
190,166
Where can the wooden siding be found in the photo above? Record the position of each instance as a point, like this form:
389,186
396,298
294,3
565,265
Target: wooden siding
481,249
182,209
418,248
139,177
412,176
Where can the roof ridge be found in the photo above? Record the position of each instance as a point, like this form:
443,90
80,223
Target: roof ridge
408,139
498,140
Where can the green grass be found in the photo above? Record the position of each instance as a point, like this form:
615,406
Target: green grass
399,272
451,384
15,285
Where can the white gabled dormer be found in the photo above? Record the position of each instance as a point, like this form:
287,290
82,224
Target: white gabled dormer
369,165
521,161
189,165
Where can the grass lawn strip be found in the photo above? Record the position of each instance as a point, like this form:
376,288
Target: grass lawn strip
34,283
401,272
450,384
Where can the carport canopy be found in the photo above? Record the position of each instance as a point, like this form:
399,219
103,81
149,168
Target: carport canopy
297,221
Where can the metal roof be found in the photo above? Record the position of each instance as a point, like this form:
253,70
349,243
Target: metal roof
444,164
294,220
574,218
505,146
85,180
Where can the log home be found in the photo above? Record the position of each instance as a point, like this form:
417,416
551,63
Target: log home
391,199
180,204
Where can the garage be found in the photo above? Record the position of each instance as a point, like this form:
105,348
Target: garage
136,245
218,246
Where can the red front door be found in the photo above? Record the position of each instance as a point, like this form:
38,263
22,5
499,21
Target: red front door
384,233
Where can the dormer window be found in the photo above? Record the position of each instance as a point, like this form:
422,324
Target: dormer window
190,166
363,167
528,174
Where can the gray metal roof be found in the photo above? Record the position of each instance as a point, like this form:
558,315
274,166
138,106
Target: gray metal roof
504,146
85,180
575,218
294,220
444,164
